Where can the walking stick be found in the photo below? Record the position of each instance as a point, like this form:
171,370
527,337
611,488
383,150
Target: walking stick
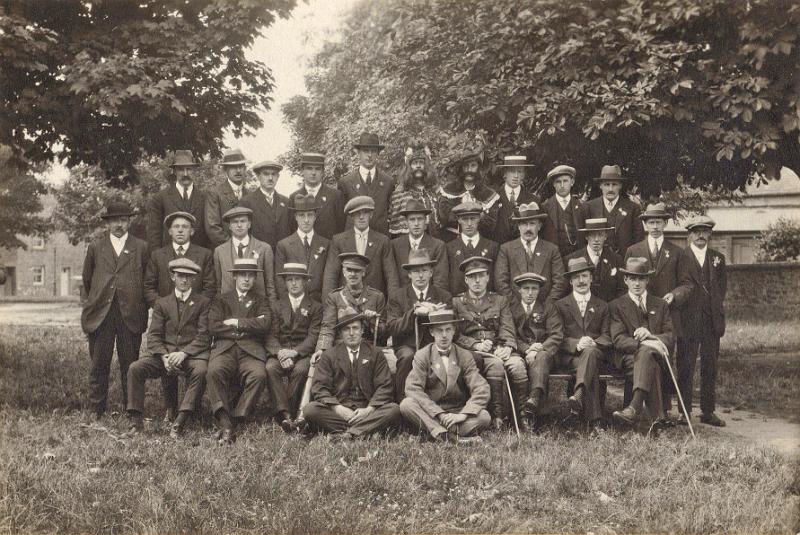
375,336
508,387
416,333
680,397
306,389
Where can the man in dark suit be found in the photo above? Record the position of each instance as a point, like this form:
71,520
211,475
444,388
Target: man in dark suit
564,213
177,342
416,215
305,246
352,389
446,396
370,181
239,321
587,339
469,243
381,273
607,281
641,330
180,196
115,309
622,213
410,305
330,217
530,254
225,196
296,321
703,284
271,217
511,196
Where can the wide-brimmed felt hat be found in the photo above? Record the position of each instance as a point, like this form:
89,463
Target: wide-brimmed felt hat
414,206
700,221
368,140
183,265
267,164
529,211
236,211
467,208
418,258
117,209
637,266
561,170
515,160
577,265
475,264
597,224
313,158
358,203
233,157
183,158
530,277
304,203
354,260
294,269
655,211
241,265
611,172
346,316
174,215
440,317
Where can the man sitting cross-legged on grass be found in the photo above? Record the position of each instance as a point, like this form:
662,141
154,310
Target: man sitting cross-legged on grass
177,342
239,321
445,394
352,389
296,321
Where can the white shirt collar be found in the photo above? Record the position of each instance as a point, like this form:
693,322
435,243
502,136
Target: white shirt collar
700,254
189,190
527,308
313,191
363,172
185,247
353,353
234,187
595,258
416,291
509,190
563,201
183,296
270,196
118,243
302,235
240,294
610,205
581,297
244,241
656,241
412,240
466,239
364,233
295,301
635,299
533,242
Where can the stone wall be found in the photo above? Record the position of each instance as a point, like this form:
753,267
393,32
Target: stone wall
764,291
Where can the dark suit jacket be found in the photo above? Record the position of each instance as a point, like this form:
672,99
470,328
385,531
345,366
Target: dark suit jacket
542,326
106,277
512,261
167,201
693,294
332,376
595,324
624,218
401,248
351,185
187,332
157,282
218,201
607,281
224,256
457,252
381,272
625,318
461,389
291,249
400,315
298,331
254,318
506,229
549,231
271,223
330,217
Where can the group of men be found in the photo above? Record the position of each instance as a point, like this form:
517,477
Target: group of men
480,294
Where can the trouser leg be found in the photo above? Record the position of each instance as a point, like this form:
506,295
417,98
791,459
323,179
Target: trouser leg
474,425
169,389
382,418
128,345
420,420
685,362
138,374
101,350
254,379
275,374
323,419
222,369
405,361
195,370
539,366
709,353
586,370
518,377
297,381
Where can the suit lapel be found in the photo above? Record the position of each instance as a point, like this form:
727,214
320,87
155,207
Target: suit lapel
537,257
188,310
436,364
520,257
343,360
576,312
285,311
107,250
125,255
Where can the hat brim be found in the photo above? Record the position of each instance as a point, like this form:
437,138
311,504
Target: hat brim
602,229
123,214
528,217
423,264
607,179
465,214
569,274
701,225
293,274
635,273
236,162
277,168
184,270
245,270
314,208
523,281
653,215
443,322
407,212
515,165
348,321
475,270
185,165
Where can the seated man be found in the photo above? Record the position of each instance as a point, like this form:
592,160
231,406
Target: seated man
488,330
412,303
538,331
641,329
587,340
177,342
239,321
352,389
445,394
296,321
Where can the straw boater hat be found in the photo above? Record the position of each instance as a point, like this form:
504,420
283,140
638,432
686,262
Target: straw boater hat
598,224
700,221
359,203
529,277
560,170
267,164
243,265
233,157
467,208
117,209
312,158
354,261
529,211
304,203
236,211
174,215
475,264
183,158
515,161
440,317
577,265
294,269
655,211
368,141
611,173
418,258
637,266
346,316
414,206
183,265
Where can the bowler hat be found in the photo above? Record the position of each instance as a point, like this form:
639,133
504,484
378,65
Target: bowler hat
576,265
117,209
418,258
528,211
313,158
637,266
414,206
529,277
368,141
346,316
183,265
560,170
700,221
356,204
611,172
236,211
597,224
183,158
440,317
304,203
245,265
515,161
354,260
186,215
233,157
267,164
475,264
294,269
467,208
655,211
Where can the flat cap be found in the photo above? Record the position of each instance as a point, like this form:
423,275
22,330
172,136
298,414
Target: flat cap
174,215
529,277
183,265
467,208
313,158
561,170
267,164
236,211
356,204
700,221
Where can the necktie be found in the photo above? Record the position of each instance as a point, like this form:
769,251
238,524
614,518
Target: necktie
241,250
654,250
306,245
369,178
445,361
414,245
185,193
421,296
180,250
641,305
528,249
512,198
582,307
238,193
353,357
362,247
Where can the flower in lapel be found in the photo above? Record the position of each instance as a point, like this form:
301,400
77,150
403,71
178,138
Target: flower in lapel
652,312
380,183
358,186
537,317
125,251
605,260
303,312
248,303
255,254
666,254
591,309
320,250
283,204
324,198
369,244
191,303
716,261
538,253
613,272
485,252
364,361
458,252
623,212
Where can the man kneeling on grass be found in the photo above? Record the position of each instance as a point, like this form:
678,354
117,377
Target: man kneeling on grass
177,343
445,393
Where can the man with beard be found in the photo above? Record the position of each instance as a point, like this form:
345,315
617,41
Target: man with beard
330,216
417,182
606,280
467,187
415,214
564,213
225,196
511,196
621,213
469,243
271,218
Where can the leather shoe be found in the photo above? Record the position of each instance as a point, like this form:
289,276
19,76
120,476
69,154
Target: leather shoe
524,424
170,415
469,440
575,405
531,407
498,424
712,419
226,438
627,416
175,431
681,419
288,425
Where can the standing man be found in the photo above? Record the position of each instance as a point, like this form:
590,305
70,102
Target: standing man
181,196
511,196
622,213
445,394
305,246
225,196
703,284
381,274
469,243
369,181
239,320
529,254
330,217
352,389
177,342
468,187
416,215
115,308
564,213
418,182
271,219
606,279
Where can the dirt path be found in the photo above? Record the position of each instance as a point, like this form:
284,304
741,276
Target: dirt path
64,313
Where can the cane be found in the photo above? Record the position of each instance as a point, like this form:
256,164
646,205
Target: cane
508,387
416,333
375,336
680,397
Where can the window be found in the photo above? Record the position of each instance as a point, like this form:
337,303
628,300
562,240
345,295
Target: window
38,275
37,242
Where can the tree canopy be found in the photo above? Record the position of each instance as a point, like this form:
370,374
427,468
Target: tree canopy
678,92
108,83
20,204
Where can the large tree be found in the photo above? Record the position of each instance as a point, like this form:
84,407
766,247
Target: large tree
110,82
20,204
679,92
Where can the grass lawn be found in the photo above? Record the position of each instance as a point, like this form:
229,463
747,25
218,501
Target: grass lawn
59,472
